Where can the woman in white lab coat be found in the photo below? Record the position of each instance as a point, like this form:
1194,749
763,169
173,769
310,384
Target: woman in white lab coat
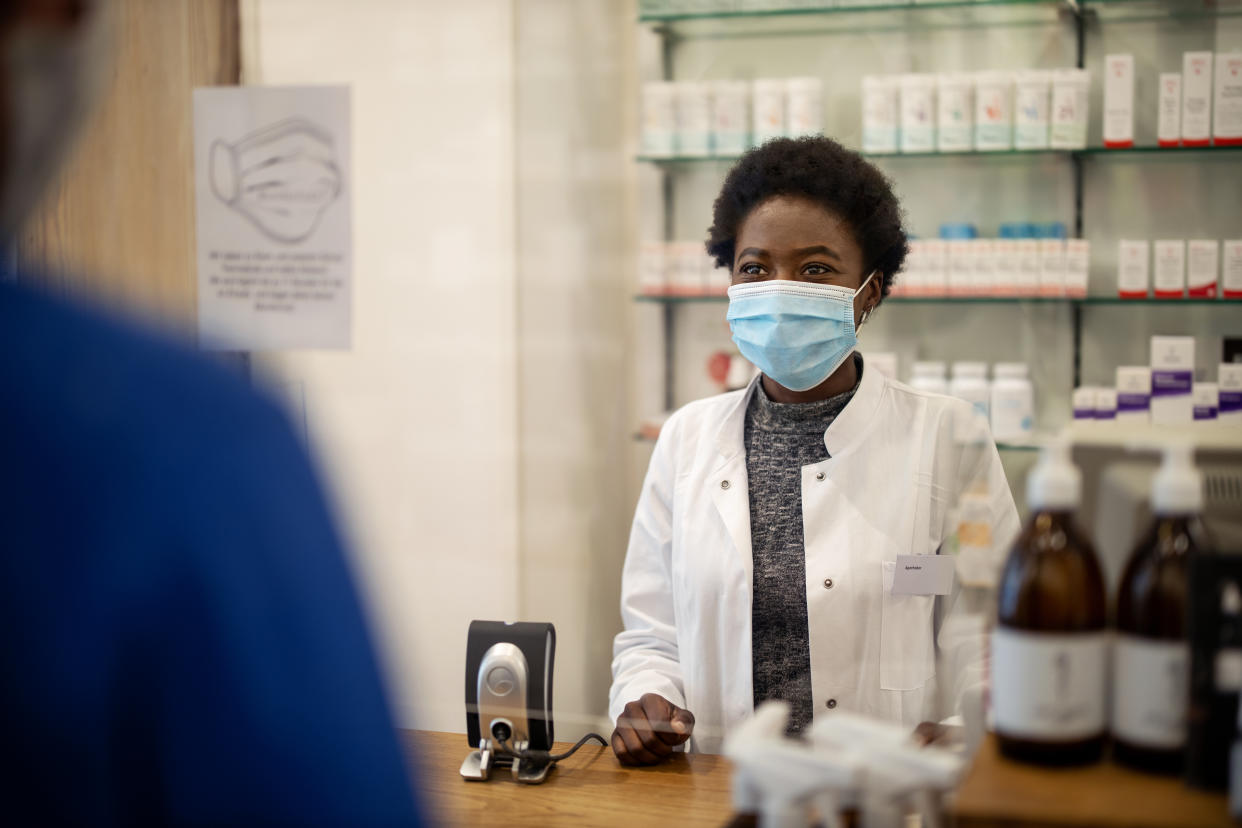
763,560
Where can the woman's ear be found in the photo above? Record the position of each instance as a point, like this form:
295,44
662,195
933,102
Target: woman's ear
876,288
873,293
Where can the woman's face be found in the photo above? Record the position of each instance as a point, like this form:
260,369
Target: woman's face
793,238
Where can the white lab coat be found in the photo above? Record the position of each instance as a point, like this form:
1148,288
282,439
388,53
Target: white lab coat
899,460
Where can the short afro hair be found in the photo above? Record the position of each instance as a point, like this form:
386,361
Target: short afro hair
826,173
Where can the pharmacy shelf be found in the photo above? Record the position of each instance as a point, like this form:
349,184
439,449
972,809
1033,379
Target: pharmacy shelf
678,160
1001,446
1113,435
678,22
1147,437
1197,153
1171,152
724,13
1145,11
1017,447
1107,10
1232,304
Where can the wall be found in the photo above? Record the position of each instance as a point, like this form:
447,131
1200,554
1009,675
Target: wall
118,224
417,424
576,211
477,436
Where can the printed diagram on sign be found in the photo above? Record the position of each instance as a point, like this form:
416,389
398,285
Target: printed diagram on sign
282,177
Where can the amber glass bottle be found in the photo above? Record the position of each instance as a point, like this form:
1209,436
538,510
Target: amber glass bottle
1151,657
1050,644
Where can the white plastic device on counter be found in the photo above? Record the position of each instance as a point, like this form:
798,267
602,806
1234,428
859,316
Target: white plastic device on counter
850,761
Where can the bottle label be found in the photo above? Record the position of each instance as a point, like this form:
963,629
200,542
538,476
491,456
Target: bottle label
1150,680
1048,685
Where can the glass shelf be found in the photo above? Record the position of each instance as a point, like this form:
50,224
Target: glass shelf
1016,447
980,300
1094,152
1146,11
1129,152
1189,300
877,156
723,12
1109,10
1027,447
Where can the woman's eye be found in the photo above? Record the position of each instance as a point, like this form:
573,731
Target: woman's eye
751,269
816,270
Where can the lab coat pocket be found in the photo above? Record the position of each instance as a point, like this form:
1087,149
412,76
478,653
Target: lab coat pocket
907,652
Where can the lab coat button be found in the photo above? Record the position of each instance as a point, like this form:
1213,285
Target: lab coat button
819,476
827,583
724,484
831,703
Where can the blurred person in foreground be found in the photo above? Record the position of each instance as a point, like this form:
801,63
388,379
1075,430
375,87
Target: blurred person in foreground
180,633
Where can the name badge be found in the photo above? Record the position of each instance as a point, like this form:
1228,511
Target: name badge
923,575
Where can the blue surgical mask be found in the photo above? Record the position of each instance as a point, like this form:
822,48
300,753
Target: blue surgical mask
797,333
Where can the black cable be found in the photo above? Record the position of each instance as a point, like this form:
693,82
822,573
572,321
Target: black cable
581,742
539,758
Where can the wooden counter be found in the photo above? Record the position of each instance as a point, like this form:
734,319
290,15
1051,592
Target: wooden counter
998,792
589,788
592,789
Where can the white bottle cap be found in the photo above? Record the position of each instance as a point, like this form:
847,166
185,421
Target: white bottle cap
1055,484
1177,489
931,369
970,369
1010,370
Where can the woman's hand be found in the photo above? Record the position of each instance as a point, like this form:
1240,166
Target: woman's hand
930,733
649,729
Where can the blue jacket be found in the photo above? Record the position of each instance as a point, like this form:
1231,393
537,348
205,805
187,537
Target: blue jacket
179,631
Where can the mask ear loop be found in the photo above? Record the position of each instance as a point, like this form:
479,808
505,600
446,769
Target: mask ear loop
866,314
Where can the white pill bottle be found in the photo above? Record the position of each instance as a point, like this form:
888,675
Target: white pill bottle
970,383
929,376
1013,403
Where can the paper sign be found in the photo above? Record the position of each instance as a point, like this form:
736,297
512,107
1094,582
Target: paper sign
923,575
273,202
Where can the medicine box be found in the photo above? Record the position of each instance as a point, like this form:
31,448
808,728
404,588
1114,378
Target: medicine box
1118,101
1132,280
1227,103
1172,379
1196,99
1202,266
1133,393
1229,390
1205,402
1169,118
1231,268
1169,279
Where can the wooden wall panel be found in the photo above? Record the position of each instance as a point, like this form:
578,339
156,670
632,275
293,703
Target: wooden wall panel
119,223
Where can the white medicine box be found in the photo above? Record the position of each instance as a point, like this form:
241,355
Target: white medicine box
1202,266
1172,379
1227,103
1169,118
1170,268
1229,388
1133,393
1196,99
1132,278
1118,101
1231,268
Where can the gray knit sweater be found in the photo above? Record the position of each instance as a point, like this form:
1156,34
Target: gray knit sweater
781,439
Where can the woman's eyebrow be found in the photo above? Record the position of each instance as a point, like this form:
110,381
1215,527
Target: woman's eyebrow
818,248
